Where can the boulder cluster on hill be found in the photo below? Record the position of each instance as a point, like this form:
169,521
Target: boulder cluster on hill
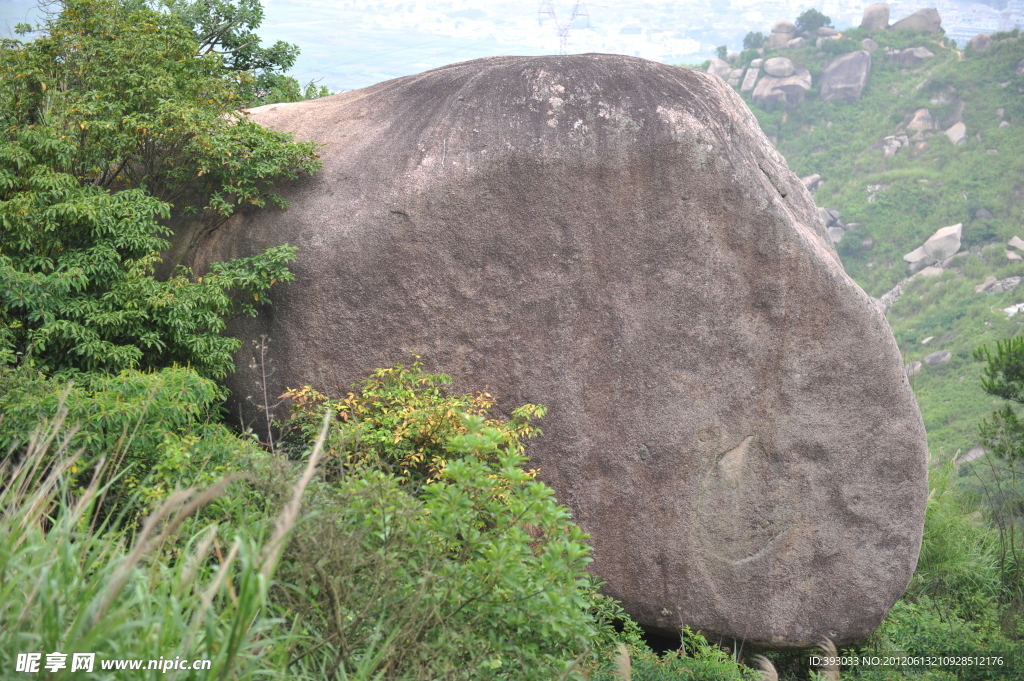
778,81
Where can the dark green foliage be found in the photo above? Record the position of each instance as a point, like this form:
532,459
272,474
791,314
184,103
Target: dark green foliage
227,28
112,124
839,46
1003,375
811,20
753,40
159,431
722,51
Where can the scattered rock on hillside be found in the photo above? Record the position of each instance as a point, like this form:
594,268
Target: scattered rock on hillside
869,44
1016,242
973,454
957,133
782,32
1019,70
920,121
771,91
785,462
923,21
720,68
1004,124
993,285
983,214
876,17
845,76
867,243
1013,256
756,63
937,358
984,286
812,182
944,243
912,55
779,67
981,42
913,369
939,246
826,32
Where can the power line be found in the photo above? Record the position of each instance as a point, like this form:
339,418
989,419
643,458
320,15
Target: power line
579,10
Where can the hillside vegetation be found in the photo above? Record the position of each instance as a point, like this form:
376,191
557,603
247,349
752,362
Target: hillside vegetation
898,202
397,531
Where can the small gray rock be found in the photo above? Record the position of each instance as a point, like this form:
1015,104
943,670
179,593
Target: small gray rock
983,214
912,369
869,44
836,234
826,32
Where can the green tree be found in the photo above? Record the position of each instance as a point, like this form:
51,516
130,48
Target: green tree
811,20
111,125
753,40
722,51
227,28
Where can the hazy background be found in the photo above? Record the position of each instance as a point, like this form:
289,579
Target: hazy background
347,45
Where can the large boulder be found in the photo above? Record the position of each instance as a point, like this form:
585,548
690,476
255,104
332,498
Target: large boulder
618,240
980,42
782,32
720,68
876,17
845,76
750,79
771,92
923,21
779,67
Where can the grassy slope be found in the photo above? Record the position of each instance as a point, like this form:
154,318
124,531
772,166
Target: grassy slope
926,188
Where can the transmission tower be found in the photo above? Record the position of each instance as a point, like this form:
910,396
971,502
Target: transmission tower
579,11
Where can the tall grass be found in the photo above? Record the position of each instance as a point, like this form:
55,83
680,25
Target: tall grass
176,591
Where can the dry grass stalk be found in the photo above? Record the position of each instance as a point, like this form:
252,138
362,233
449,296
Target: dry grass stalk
290,513
829,672
768,672
623,667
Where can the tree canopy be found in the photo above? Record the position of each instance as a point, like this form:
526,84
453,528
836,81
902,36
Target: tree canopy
113,119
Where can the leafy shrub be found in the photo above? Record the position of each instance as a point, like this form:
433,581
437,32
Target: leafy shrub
110,122
479,575
157,431
400,419
839,46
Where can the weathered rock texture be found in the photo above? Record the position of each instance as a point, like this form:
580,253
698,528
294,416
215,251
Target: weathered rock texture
845,76
616,239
